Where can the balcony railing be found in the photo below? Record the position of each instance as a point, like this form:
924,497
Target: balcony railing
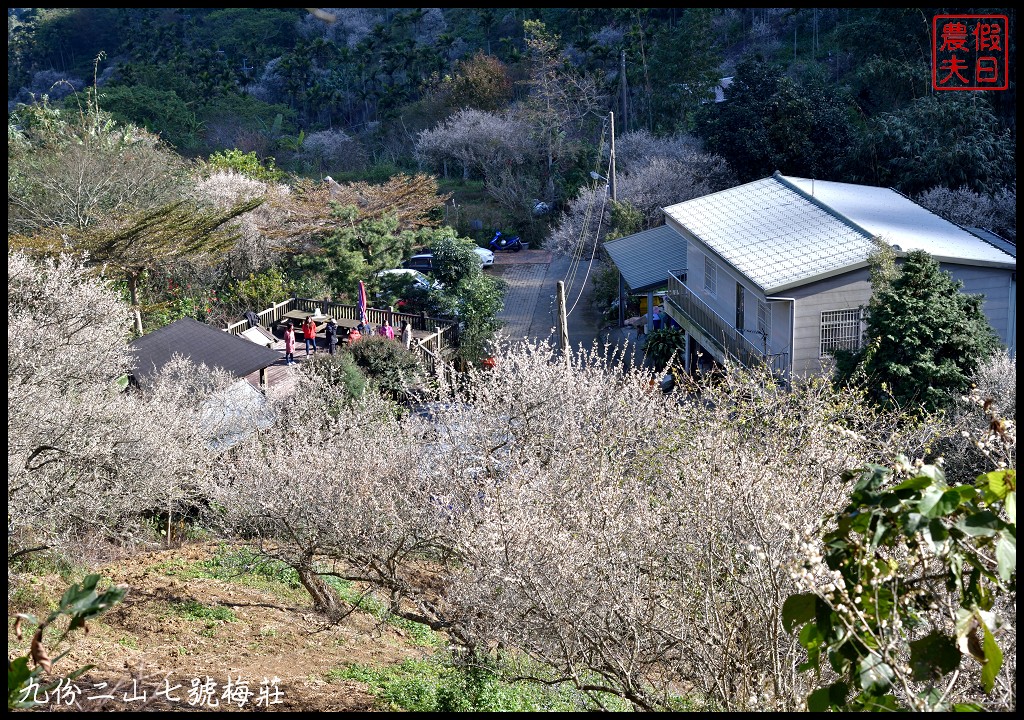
727,340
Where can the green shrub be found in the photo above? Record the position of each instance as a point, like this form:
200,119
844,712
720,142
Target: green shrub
195,610
662,344
606,286
256,292
393,369
338,369
445,684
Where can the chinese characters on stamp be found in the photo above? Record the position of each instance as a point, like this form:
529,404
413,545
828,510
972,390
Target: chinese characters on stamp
969,52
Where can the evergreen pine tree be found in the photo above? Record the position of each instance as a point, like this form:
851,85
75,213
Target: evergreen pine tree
925,338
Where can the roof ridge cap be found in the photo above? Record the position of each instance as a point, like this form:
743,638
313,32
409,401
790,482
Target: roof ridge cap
780,178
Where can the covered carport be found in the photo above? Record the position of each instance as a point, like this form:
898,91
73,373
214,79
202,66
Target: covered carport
644,261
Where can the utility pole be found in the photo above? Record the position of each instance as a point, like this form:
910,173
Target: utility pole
611,156
563,330
625,88
611,190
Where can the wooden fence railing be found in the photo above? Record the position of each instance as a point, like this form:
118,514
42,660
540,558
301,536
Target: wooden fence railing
432,349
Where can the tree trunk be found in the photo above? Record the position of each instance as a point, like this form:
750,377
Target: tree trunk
133,292
325,598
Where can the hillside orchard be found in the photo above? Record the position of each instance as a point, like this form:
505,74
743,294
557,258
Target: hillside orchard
633,543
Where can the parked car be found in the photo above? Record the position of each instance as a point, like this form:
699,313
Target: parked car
424,262
417,277
486,256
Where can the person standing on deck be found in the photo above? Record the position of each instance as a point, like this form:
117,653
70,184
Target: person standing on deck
289,344
309,333
386,330
407,334
331,335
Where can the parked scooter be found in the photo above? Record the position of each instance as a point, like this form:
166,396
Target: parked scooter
505,243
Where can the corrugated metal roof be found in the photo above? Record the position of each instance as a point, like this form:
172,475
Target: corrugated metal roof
201,343
898,220
646,258
773,235
1000,242
783,232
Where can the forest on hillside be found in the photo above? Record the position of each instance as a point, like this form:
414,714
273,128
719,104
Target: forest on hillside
840,94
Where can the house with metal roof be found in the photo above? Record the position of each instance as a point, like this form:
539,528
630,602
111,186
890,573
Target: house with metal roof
776,270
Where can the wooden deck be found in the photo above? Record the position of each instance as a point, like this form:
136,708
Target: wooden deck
281,377
433,338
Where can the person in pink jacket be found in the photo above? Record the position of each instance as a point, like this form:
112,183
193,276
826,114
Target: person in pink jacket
289,344
386,330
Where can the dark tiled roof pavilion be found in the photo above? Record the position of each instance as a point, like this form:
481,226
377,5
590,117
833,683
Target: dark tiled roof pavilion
200,343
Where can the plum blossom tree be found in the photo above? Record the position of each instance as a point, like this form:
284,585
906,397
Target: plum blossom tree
84,457
651,173
481,143
636,543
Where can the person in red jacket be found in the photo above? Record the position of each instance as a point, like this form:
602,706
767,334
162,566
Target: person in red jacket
354,335
309,333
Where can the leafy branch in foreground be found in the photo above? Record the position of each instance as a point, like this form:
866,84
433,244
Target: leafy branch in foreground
79,603
919,577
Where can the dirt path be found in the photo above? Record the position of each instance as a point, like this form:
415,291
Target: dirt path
208,634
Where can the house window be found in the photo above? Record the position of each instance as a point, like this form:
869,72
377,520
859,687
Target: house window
710,276
764,319
840,330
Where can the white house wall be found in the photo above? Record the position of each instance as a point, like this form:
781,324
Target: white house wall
1000,305
723,302
781,333
847,291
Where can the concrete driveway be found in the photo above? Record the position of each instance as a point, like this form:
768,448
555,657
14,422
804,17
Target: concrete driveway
531,310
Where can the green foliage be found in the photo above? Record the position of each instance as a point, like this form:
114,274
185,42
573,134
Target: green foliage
475,303
258,291
288,142
246,164
606,285
769,122
908,553
664,345
454,258
195,610
338,369
375,174
356,250
393,369
236,565
260,33
444,684
685,69
159,111
79,603
937,140
626,220
468,296
925,338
